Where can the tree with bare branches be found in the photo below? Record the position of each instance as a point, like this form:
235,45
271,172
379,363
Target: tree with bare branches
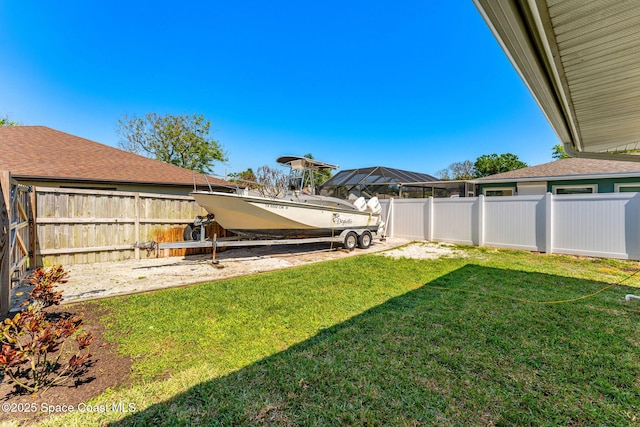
272,182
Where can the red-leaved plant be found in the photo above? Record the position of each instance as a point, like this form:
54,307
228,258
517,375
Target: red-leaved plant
33,355
43,281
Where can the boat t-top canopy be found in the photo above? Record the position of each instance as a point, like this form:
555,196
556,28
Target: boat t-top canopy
304,163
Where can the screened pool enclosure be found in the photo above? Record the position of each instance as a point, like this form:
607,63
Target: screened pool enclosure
386,182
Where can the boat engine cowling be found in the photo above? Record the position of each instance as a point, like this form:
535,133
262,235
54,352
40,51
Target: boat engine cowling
360,203
374,206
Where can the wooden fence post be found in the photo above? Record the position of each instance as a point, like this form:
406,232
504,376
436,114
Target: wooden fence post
33,229
136,225
5,254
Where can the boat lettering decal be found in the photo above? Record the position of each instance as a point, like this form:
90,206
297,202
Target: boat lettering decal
273,206
337,219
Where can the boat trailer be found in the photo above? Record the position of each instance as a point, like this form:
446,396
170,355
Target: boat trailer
349,239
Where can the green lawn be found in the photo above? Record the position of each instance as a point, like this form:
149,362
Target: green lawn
369,340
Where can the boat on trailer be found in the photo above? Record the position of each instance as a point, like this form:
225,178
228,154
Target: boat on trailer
297,212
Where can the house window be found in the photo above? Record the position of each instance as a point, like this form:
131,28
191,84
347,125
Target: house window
575,189
498,191
631,187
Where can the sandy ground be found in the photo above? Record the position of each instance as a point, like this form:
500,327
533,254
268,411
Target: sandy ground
424,250
100,280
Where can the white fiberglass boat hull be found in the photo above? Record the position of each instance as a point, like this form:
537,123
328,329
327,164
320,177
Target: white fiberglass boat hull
286,218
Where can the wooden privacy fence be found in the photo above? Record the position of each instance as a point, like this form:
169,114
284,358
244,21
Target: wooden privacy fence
84,226
17,240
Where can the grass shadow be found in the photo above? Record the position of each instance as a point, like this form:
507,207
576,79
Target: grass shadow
456,351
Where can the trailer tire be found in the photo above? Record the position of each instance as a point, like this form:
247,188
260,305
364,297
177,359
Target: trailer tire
364,240
191,232
350,241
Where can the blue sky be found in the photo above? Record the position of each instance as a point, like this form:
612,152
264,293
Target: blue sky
415,85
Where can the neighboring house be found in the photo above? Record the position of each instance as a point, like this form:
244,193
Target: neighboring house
41,156
565,176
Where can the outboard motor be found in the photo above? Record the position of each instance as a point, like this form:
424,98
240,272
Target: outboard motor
360,203
374,206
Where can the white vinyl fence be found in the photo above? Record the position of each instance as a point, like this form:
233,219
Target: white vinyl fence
600,225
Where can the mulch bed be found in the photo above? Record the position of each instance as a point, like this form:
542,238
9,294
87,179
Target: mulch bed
107,369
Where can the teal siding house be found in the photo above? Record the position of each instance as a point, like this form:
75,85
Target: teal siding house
565,176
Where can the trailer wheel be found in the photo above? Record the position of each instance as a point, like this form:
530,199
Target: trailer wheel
364,240
191,232
350,241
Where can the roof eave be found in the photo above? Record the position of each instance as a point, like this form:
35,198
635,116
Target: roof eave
524,30
512,28
19,177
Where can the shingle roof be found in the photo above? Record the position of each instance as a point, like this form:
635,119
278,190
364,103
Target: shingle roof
569,167
39,152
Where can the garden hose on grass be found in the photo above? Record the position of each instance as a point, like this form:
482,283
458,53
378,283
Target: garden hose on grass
538,302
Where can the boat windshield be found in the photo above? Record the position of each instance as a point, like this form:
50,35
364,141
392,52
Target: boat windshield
302,180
